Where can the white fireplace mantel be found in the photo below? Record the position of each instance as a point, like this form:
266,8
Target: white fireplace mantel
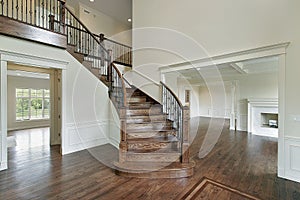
255,106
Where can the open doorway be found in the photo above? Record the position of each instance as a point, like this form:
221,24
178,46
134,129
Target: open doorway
33,106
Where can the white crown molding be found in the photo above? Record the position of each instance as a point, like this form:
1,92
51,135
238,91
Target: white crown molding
260,52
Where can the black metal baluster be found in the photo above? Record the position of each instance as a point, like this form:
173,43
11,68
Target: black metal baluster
12,9
17,10
43,13
7,8
39,11
31,12
22,10
47,15
2,5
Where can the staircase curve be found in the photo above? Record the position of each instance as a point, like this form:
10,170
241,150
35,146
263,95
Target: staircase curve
154,136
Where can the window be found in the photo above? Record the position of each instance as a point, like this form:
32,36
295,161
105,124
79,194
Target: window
32,104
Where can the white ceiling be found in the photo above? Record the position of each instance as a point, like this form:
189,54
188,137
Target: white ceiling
118,9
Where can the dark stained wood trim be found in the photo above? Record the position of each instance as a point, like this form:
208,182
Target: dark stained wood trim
197,189
25,31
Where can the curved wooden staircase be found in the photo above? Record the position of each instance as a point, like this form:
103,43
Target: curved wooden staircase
154,137
151,148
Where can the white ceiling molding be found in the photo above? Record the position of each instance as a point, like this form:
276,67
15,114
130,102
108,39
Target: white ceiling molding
261,52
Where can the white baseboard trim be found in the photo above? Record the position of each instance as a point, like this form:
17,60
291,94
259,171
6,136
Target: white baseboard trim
217,117
114,142
3,166
266,135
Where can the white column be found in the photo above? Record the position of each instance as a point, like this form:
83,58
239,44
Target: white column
281,110
233,106
162,78
3,115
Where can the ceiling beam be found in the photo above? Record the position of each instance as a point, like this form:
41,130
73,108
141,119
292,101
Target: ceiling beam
261,52
238,67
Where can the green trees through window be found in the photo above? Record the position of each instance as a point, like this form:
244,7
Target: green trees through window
32,104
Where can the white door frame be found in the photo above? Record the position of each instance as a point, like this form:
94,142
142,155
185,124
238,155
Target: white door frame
27,60
265,51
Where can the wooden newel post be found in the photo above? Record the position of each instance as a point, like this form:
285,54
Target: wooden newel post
51,22
101,36
123,142
185,137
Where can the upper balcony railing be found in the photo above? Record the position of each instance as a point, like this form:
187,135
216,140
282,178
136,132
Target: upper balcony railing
33,12
53,15
121,53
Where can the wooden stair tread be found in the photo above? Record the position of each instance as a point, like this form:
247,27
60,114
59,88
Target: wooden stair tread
135,135
155,122
168,139
149,130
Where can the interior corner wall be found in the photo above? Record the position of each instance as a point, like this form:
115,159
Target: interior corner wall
14,82
85,99
206,108
99,22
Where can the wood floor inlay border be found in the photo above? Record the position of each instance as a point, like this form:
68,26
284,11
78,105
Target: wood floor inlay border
210,189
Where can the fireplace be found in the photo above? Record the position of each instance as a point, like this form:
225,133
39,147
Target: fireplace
263,117
269,120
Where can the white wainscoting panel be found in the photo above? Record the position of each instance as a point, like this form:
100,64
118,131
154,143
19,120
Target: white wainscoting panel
292,161
242,122
242,115
84,135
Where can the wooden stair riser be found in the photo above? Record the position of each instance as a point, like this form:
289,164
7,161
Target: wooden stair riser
137,99
152,147
144,112
148,134
134,94
145,105
150,125
155,170
152,157
141,119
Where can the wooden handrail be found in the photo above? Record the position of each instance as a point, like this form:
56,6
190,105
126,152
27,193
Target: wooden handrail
173,94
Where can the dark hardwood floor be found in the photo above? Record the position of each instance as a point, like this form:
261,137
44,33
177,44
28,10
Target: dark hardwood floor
240,160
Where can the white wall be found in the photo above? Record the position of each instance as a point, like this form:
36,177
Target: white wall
260,86
206,107
14,82
222,27
85,99
99,22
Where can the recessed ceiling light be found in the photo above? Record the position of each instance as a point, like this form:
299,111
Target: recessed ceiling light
91,0
129,19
